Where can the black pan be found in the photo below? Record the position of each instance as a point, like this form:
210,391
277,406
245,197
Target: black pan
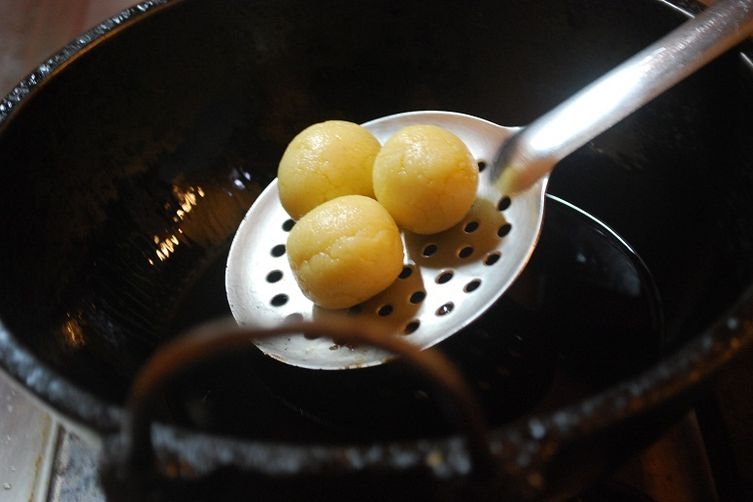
129,158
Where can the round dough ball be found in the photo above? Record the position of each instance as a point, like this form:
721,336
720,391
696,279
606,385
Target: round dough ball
345,251
426,178
324,161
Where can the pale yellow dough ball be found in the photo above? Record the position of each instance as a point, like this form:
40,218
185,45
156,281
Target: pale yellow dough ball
324,161
426,178
345,251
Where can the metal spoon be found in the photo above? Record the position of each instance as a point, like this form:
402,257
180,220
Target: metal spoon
451,278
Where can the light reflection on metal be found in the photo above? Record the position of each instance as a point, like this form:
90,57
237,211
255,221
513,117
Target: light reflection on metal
188,199
72,333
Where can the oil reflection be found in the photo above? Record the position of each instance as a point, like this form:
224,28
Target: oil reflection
188,198
73,334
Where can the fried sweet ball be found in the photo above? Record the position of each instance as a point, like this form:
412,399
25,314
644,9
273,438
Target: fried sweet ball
345,251
324,161
426,178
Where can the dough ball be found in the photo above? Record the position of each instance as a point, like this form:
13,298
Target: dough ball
426,178
324,161
345,251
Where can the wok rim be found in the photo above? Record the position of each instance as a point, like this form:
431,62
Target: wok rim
682,371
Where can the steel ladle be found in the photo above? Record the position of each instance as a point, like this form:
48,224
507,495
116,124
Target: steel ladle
451,278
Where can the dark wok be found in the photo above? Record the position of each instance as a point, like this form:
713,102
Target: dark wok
129,158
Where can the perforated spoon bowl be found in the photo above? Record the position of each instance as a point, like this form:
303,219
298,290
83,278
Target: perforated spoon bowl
451,278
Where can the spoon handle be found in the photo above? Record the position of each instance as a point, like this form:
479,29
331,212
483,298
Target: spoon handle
533,153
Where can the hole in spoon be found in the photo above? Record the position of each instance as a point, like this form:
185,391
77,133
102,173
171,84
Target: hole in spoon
481,166
472,286
412,326
274,276
385,310
470,227
492,258
279,300
288,225
445,309
504,230
417,297
430,250
278,250
444,277
504,203
465,252
405,273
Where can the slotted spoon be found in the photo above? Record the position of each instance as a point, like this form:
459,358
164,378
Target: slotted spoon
451,278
